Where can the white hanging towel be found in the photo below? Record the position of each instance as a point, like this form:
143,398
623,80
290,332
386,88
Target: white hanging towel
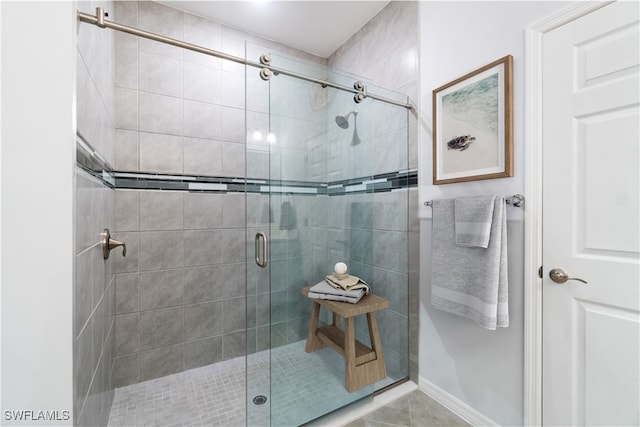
470,281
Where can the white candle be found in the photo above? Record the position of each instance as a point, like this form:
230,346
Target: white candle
340,268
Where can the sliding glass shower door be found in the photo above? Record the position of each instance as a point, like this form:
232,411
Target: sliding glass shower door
326,183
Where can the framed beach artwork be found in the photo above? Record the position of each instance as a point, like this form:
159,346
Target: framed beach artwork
473,125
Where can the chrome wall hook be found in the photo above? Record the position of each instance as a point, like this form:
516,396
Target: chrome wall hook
108,244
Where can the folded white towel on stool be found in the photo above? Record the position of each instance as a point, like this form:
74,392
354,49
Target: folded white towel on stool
323,290
473,220
470,281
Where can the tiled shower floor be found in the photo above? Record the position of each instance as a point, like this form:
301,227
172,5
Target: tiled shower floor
304,386
212,395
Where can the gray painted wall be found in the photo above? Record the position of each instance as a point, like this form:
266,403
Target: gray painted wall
482,369
38,58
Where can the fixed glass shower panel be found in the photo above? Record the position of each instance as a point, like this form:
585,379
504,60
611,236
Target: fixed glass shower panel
326,183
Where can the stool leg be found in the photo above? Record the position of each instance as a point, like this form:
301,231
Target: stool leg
351,377
377,371
313,342
374,335
336,320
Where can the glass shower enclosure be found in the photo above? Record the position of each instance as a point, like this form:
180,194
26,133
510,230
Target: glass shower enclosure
215,168
327,182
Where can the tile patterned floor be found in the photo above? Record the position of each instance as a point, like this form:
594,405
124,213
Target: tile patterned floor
189,398
416,409
303,386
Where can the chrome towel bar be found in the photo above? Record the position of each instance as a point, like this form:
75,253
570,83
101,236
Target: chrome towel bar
516,200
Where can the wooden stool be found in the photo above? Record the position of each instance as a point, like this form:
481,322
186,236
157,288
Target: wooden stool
363,365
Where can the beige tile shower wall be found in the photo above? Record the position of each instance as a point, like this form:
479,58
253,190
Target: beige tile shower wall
298,259
384,53
94,303
95,81
369,233
180,292
177,111
180,111
380,127
94,278
181,289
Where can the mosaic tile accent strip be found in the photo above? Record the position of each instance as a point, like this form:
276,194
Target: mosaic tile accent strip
91,162
367,184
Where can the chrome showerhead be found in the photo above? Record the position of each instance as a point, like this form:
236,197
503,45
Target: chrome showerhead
343,121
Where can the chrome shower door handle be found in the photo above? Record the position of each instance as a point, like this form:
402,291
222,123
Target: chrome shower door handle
262,262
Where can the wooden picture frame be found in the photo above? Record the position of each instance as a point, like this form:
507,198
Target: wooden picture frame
473,125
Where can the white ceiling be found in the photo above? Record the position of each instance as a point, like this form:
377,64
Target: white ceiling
317,27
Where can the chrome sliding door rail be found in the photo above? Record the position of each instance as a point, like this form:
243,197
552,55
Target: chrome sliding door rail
99,20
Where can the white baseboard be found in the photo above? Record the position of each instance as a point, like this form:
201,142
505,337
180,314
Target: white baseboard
454,404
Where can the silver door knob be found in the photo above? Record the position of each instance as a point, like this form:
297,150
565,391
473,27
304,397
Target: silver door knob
558,275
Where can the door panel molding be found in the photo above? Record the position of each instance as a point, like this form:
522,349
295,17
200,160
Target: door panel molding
533,208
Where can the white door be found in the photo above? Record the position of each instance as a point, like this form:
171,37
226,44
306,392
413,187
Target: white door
591,219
